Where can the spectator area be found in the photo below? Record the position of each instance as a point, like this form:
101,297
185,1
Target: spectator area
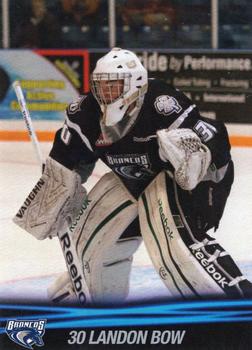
143,23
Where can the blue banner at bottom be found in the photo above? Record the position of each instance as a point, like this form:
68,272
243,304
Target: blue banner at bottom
184,325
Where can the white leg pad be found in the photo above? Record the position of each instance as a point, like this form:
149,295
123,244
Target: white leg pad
182,272
113,270
105,258
114,275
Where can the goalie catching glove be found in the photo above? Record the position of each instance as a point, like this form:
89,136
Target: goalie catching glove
187,154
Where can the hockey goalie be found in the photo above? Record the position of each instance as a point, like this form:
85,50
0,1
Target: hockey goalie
171,175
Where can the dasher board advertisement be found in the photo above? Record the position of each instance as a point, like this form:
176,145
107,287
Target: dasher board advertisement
50,79
220,83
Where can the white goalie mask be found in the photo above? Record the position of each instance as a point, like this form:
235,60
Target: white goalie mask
118,80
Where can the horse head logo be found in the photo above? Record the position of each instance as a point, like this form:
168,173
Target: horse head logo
24,335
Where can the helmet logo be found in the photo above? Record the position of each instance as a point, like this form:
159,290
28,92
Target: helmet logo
166,105
131,64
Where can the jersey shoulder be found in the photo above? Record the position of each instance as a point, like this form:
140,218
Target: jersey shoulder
166,99
84,104
83,112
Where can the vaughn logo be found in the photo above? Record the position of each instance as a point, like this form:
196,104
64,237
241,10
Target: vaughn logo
30,198
26,333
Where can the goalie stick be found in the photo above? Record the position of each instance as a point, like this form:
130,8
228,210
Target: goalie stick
75,272
28,121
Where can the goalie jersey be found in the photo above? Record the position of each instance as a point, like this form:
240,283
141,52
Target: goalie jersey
135,158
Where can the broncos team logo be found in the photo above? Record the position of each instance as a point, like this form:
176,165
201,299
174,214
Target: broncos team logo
26,333
133,172
166,105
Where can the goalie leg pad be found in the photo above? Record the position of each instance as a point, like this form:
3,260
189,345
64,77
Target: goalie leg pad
110,281
189,267
106,257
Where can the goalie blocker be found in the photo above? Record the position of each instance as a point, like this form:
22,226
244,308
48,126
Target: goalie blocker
191,264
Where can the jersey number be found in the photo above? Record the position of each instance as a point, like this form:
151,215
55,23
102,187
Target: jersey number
65,135
205,131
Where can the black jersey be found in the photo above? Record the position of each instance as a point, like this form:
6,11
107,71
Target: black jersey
135,158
